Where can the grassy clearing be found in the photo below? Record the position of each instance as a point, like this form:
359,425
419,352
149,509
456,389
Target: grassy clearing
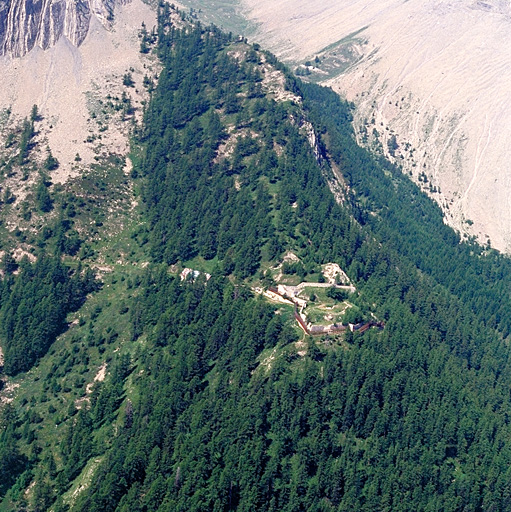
223,13
199,263
334,59
83,481
350,38
323,314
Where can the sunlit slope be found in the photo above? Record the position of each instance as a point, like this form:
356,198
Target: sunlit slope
74,88
437,75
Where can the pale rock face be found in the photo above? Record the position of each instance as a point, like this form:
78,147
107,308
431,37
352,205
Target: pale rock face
73,55
25,24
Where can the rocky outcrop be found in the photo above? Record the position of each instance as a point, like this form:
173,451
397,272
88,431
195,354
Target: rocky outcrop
25,24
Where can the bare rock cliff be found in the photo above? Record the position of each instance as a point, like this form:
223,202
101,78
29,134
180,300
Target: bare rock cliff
69,58
25,24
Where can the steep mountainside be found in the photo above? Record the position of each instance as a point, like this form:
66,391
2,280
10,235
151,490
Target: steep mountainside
69,59
158,315
431,80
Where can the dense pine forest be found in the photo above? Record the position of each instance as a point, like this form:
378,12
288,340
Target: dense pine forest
151,390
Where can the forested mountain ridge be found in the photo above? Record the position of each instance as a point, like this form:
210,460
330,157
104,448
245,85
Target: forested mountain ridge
193,394
430,81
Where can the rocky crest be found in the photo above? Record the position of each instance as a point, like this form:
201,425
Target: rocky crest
25,24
